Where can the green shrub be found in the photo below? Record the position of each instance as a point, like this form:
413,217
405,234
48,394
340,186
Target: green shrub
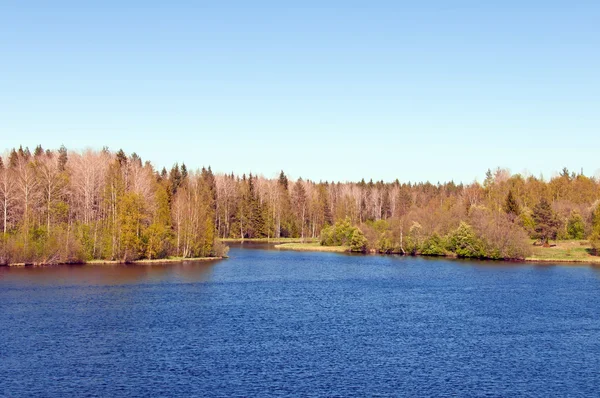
433,246
339,234
463,242
358,242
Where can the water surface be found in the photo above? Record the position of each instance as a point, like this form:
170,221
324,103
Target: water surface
266,322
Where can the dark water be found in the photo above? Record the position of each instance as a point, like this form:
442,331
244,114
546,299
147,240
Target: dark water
301,324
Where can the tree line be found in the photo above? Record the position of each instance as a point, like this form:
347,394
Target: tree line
65,206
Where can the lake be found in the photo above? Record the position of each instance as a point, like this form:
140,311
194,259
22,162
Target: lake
268,322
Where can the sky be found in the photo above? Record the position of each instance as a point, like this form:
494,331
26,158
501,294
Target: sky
325,90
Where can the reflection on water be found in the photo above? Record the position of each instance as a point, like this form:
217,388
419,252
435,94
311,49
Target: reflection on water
110,274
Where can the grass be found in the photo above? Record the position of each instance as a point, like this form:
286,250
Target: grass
156,260
270,240
313,247
569,251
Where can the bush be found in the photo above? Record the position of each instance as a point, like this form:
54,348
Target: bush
433,246
339,234
385,244
358,242
220,249
463,242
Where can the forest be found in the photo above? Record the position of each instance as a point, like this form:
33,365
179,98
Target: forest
60,206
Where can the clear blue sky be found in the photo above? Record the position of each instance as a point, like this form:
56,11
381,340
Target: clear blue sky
423,90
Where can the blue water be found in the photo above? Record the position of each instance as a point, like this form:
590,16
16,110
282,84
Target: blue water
266,322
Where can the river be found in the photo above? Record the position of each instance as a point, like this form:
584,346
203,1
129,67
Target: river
268,322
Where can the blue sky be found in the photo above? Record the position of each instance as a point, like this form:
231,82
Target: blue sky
324,90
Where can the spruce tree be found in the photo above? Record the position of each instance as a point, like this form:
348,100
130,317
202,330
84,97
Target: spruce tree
39,151
175,178
575,226
62,158
184,171
511,206
13,159
283,181
122,158
546,222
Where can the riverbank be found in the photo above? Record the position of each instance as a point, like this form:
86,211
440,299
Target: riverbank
575,252
270,240
568,251
312,247
117,262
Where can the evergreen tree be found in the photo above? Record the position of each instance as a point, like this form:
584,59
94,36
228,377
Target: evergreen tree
546,222
122,158
184,171
575,226
39,151
283,181
62,158
511,206
13,159
175,178
256,216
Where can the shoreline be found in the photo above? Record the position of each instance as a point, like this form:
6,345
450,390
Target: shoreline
270,240
313,247
116,262
592,261
532,259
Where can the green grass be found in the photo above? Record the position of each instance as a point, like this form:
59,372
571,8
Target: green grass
313,247
157,260
270,240
571,251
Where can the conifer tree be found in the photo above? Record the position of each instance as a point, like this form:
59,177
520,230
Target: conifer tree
575,226
184,171
546,222
511,206
175,178
39,151
62,158
283,181
13,159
